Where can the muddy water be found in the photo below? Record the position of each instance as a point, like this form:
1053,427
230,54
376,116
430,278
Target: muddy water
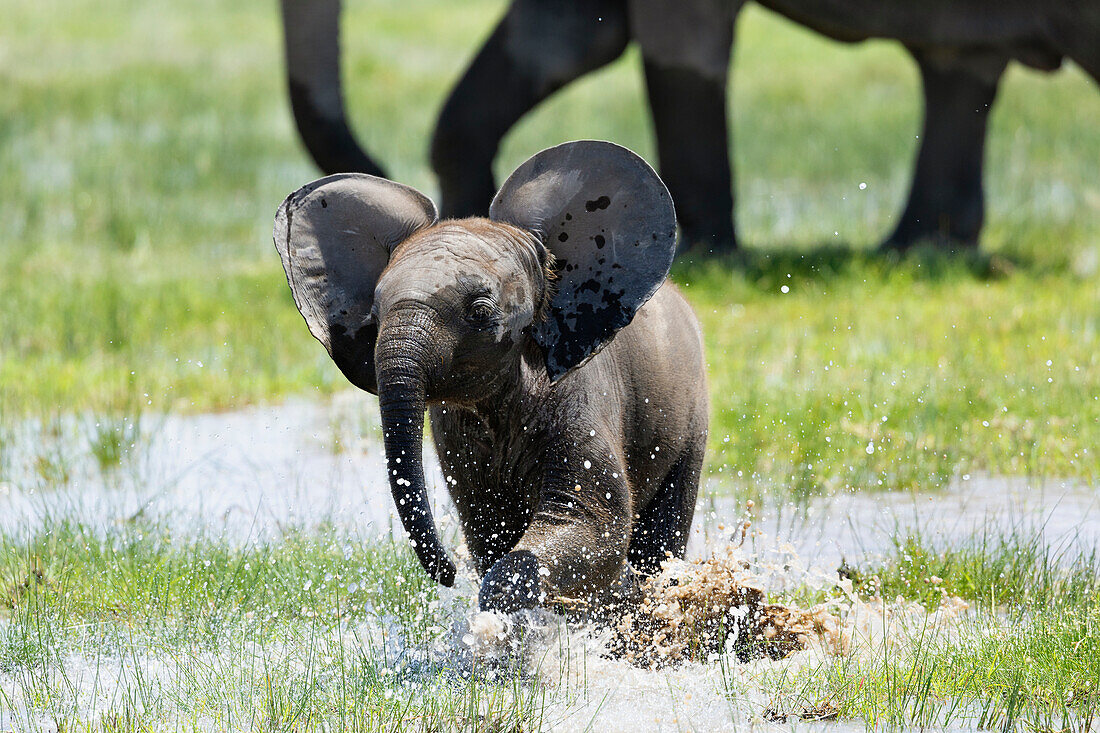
249,475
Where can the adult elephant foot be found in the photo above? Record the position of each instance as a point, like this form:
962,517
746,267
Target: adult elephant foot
946,200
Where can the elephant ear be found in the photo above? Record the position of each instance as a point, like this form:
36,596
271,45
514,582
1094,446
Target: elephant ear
335,236
609,222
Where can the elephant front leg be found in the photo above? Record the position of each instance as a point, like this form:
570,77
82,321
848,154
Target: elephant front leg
946,201
575,547
686,47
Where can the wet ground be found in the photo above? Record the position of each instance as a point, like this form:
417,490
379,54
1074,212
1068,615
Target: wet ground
249,475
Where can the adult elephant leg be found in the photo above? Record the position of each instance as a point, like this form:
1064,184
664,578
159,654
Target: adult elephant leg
686,48
537,48
946,200
311,33
1073,27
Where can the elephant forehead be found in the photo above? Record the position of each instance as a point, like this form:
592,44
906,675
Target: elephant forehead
426,280
450,255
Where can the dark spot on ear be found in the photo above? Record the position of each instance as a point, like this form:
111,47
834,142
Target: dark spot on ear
592,285
568,217
354,355
601,203
600,241
324,204
563,237
602,260
584,328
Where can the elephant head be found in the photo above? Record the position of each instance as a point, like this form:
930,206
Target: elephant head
419,311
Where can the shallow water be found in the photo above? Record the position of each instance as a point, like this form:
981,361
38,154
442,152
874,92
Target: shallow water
584,690
251,474
243,475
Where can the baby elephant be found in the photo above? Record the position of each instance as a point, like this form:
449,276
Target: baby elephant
564,376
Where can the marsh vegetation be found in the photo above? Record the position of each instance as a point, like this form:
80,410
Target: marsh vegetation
143,150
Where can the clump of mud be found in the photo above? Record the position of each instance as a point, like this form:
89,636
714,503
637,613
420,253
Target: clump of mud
694,610
700,610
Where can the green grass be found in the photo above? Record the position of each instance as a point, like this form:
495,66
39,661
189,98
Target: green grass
312,631
201,585
144,148
873,373
325,630
251,627
1029,657
994,572
1042,674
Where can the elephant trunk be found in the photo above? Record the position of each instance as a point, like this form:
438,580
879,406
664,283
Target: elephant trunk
312,40
400,361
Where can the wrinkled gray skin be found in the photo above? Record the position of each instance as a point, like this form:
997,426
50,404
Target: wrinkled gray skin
961,47
564,376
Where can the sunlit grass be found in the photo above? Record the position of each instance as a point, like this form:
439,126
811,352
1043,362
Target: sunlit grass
1027,656
144,150
834,370
1015,572
308,632
144,575
322,629
1038,673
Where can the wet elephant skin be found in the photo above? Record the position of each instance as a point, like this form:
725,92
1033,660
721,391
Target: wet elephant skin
563,375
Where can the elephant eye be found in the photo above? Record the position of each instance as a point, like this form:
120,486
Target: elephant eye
482,310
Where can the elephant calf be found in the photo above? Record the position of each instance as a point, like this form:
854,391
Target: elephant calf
564,376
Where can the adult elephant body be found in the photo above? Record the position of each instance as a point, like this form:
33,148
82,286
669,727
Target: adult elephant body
961,47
